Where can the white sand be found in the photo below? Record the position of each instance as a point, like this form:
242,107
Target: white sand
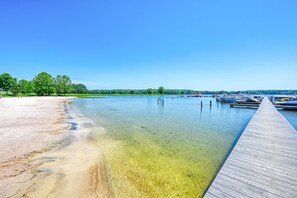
41,157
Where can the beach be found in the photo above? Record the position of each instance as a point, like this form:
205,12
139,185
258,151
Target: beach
48,150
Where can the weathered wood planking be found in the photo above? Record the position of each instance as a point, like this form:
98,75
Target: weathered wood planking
263,163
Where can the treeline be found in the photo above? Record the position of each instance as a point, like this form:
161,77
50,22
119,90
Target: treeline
42,84
268,92
149,91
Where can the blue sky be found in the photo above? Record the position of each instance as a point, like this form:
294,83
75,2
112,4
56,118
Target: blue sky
203,45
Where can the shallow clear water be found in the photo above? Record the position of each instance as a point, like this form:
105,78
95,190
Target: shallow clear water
164,147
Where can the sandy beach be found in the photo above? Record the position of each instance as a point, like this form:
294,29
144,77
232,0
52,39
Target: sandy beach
48,150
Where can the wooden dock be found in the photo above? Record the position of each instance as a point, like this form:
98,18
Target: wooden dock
263,163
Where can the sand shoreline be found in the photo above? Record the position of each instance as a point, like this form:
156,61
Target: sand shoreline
48,150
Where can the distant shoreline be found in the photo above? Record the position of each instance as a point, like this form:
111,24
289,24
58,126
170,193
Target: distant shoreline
170,95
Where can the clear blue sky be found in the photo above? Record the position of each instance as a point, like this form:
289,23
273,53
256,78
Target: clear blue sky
204,45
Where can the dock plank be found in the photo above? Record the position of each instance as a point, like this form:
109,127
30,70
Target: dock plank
263,163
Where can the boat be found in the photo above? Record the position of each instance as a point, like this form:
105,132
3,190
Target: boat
287,105
247,102
227,98
281,98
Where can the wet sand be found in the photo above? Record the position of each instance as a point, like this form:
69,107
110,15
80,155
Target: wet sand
49,150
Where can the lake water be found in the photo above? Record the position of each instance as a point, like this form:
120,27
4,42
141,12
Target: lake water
291,117
164,146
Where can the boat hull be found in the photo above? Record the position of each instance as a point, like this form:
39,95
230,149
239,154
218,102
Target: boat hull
286,107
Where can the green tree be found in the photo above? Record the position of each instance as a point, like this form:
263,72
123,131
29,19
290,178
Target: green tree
63,84
6,82
114,91
15,87
26,87
161,90
79,89
44,84
132,92
149,91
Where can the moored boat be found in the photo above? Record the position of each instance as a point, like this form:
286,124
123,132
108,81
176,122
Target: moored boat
288,105
248,102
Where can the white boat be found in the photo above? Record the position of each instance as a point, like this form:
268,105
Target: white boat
289,104
248,100
227,98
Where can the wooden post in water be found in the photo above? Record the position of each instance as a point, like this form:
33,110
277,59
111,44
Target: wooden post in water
201,104
210,103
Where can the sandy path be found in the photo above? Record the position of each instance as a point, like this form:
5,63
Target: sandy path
47,150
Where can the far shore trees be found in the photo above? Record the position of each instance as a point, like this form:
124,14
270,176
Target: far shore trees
63,85
114,91
161,90
149,91
44,84
132,91
79,89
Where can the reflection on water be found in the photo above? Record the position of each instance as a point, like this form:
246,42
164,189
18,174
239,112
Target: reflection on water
164,146
160,102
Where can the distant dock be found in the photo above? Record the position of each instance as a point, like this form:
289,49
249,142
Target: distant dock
263,163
